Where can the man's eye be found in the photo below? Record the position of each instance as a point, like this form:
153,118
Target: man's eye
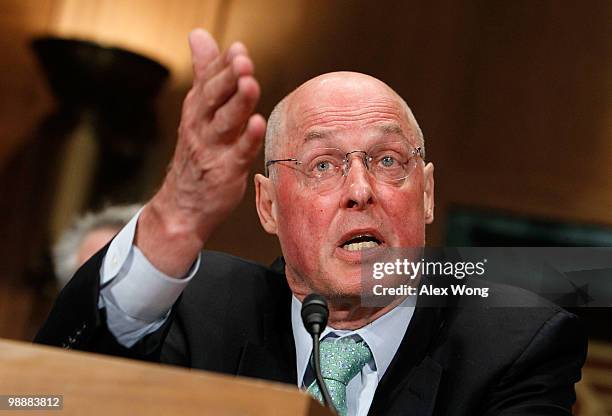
387,161
323,166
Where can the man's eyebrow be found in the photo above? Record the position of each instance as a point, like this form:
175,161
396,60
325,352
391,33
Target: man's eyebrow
391,128
315,135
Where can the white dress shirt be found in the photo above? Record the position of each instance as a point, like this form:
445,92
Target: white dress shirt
138,299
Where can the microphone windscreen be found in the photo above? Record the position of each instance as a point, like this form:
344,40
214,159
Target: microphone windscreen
314,312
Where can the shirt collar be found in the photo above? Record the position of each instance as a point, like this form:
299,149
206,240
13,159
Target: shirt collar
383,336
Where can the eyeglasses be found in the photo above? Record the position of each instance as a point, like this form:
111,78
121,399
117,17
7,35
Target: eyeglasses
325,168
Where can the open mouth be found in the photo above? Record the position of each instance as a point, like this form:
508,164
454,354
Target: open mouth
361,242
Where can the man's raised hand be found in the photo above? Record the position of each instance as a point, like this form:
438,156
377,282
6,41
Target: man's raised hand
218,138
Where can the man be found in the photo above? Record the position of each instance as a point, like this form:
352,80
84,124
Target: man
241,318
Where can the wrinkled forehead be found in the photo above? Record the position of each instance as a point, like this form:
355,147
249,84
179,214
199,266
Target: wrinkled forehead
330,109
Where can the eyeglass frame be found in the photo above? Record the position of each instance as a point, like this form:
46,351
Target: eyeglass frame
416,152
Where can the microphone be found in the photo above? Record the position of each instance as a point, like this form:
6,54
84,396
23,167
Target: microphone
314,316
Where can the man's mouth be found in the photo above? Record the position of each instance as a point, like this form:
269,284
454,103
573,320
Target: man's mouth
361,242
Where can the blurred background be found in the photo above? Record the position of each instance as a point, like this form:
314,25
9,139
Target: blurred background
514,98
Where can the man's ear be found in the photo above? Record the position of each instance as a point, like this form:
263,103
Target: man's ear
428,192
265,201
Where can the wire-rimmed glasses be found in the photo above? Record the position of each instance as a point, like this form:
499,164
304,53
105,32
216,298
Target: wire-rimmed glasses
325,168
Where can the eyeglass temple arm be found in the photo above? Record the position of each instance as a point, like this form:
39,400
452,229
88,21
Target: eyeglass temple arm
271,162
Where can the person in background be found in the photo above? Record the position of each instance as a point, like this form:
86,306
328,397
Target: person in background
88,234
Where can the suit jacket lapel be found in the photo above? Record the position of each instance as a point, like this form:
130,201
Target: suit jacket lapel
273,358
410,384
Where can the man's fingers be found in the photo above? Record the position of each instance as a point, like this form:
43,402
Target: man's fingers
220,88
204,50
224,60
229,119
207,65
251,139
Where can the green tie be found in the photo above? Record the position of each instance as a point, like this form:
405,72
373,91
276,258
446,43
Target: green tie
341,360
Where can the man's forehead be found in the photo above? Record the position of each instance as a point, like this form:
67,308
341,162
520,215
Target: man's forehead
361,121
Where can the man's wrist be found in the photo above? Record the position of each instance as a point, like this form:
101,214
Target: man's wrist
170,240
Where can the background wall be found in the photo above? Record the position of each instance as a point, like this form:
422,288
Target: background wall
514,98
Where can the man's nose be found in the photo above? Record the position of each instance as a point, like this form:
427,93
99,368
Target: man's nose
357,187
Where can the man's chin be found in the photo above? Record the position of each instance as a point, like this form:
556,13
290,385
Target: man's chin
344,299
349,289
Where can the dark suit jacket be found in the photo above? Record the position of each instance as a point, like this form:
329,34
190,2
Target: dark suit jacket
234,318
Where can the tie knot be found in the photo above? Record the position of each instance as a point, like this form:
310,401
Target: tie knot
343,358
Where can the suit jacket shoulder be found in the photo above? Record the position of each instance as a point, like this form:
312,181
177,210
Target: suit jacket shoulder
520,359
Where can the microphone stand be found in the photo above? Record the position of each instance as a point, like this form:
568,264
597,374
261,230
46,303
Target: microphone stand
314,316
317,367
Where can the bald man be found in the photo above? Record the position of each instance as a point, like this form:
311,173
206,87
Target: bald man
345,175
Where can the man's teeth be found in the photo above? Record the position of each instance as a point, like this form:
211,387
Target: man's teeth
360,246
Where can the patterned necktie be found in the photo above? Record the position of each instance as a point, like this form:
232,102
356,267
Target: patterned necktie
341,360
